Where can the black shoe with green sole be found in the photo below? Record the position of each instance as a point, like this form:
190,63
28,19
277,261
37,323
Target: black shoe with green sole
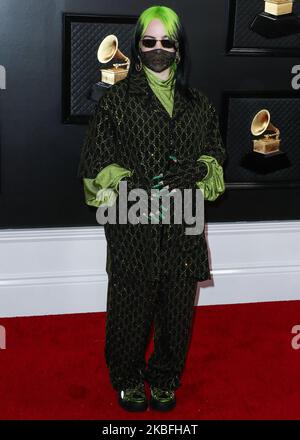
162,399
134,398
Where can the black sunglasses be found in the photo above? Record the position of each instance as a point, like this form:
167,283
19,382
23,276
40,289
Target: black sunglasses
167,44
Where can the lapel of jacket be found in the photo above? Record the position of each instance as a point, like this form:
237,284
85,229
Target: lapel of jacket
138,85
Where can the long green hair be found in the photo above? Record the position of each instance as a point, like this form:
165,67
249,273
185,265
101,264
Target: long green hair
174,30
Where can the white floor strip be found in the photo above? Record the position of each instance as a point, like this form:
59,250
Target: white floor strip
62,270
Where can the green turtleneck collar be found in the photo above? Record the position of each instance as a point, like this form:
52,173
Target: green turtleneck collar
164,89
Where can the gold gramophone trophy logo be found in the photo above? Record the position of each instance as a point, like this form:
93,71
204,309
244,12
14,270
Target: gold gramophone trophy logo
261,126
107,51
277,19
266,155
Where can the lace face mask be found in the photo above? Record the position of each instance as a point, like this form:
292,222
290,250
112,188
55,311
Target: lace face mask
157,59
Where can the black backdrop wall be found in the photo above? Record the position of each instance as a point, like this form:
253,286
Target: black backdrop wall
39,154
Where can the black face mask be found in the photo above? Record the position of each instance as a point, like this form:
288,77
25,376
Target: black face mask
157,59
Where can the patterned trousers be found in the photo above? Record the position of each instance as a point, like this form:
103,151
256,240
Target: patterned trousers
132,307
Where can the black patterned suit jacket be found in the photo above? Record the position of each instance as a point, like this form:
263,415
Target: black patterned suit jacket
130,126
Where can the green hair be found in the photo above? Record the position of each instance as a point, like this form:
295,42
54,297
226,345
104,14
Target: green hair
166,15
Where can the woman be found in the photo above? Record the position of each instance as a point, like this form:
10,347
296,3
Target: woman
155,132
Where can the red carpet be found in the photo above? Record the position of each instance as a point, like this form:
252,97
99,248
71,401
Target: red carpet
240,365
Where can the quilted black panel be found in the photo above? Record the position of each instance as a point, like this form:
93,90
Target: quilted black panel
85,40
285,115
244,37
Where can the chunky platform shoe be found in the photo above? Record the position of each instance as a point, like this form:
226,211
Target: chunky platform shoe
162,400
134,398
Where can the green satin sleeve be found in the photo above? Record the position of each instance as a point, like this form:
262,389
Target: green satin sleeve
103,189
212,185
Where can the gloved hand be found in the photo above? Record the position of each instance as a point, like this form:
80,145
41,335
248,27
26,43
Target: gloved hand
137,181
181,174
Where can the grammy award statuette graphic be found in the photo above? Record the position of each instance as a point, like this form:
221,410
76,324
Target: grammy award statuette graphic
266,156
277,19
108,50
